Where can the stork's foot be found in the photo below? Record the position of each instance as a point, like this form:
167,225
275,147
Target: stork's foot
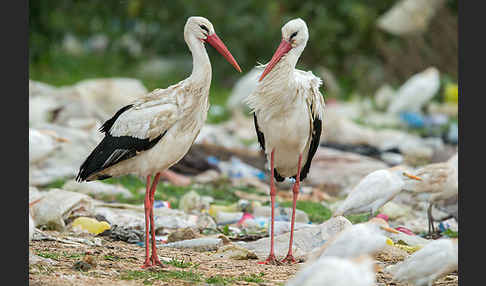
147,263
156,261
270,260
289,259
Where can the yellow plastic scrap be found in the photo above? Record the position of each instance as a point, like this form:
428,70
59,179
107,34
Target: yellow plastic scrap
451,93
215,209
91,225
409,249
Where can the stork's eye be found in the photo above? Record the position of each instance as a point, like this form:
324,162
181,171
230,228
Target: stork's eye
204,28
293,35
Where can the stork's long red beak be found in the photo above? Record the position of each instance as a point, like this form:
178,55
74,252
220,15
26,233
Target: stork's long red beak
282,49
216,42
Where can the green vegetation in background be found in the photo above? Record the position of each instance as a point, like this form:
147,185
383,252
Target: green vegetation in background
343,34
317,212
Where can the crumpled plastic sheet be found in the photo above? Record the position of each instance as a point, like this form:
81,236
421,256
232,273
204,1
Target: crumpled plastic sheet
305,240
57,205
131,216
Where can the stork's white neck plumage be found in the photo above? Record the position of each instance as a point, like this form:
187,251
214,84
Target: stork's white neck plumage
201,66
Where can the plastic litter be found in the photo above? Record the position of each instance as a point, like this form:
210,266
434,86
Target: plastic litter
90,224
233,251
416,91
197,244
236,168
223,218
97,189
408,17
305,240
58,205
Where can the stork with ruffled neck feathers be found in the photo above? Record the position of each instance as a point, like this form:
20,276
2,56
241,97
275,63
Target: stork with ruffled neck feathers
288,110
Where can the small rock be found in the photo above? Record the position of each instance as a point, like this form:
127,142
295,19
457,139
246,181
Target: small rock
183,234
233,251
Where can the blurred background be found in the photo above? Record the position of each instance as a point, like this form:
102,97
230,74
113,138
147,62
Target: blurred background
74,40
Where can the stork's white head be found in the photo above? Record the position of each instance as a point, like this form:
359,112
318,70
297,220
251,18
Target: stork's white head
295,32
201,29
294,40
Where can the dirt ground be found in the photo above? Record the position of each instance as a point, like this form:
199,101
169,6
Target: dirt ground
118,263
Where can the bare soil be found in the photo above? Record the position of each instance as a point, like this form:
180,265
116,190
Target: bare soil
119,263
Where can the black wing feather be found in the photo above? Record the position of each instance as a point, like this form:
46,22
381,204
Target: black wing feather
111,151
105,128
261,140
316,137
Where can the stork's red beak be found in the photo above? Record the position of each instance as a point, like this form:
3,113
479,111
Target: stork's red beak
216,42
282,49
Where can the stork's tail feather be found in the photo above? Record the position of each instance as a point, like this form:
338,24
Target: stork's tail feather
277,176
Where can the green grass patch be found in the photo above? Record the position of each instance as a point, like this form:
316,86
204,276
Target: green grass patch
225,280
111,257
179,263
50,255
358,218
57,184
149,277
450,233
317,212
256,278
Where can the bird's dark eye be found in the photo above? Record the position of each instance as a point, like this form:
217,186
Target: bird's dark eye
204,28
293,35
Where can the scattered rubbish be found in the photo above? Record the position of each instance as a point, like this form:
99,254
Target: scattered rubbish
183,234
305,240
408,17
280,212
192,202
451,93
413,119
58,205
416,91
404,230
223,218
120,233
233,251
337,171
35,259
236,168
383,96
161,204
395,210
407,248
97,189
90,224
197,244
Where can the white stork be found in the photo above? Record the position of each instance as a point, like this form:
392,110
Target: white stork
156,131
288,108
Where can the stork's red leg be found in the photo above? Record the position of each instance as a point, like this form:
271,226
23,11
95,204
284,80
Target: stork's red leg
290,258
154,257
271,257
147,215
